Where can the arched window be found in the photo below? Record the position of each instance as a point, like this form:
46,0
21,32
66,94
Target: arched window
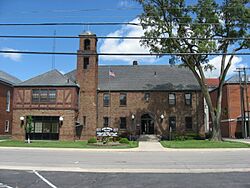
86,44
8,101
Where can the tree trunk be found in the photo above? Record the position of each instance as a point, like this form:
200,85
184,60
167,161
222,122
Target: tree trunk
216,134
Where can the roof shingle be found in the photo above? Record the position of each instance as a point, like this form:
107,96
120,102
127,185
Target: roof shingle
7,78
144,77
51,78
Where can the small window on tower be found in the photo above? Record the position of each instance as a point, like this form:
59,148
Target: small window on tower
86,44
85,62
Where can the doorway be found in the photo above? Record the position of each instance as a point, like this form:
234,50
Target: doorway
147,124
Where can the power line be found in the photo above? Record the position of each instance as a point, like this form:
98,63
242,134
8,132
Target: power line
111,23
115,9
69,23
118,54
121,37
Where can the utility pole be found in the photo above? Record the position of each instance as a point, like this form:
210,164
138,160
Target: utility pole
243,97
247,101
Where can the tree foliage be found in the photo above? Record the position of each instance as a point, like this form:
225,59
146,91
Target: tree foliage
172,26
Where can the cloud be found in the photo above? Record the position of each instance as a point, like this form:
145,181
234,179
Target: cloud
124,3
12,56
216,62
126,45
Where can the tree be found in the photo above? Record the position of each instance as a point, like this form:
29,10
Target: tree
171,26
28,127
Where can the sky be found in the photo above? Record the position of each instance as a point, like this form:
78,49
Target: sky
44,11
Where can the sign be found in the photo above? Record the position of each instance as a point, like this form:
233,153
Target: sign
107,131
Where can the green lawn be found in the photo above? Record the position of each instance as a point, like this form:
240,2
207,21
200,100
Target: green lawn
203,144
62,144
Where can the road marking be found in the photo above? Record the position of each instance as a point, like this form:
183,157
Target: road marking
4,186
127,170
45,180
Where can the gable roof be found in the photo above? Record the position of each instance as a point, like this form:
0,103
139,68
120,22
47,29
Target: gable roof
144,77
235,79
51,78
9,79
212,82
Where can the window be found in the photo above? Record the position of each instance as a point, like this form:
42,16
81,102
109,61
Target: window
105,121
188,122
105,99
84,120
85,62
123,99
172,123
86,44
8,101
123,122
35,95
188,99
146,97
44,96
52,95
171,99
7,126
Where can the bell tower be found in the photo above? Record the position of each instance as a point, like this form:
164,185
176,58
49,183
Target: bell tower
87,79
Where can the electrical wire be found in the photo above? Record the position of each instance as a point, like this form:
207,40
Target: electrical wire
119,37
117,54
109,23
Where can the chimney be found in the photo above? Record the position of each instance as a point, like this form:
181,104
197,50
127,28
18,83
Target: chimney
135,63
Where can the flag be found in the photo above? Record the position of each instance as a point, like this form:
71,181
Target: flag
111,73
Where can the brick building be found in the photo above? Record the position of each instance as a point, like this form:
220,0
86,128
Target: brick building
136,99
6,92
231,120
51,99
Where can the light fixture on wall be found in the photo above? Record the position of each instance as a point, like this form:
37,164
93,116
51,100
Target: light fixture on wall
162,117
133,117
22,120
61,120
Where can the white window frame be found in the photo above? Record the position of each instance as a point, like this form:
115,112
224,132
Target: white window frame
8,101
7,126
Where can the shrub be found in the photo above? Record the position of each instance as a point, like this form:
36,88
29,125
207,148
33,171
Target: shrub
92,141
124,141
238,135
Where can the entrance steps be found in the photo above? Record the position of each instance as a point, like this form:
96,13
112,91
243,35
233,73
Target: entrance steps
148,138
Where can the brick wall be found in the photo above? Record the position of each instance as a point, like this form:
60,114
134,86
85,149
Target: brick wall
87,78
231,109
66,130
156,106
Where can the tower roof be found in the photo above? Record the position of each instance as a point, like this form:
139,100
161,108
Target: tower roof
87,33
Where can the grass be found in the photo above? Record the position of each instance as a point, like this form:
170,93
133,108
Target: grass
63,144
203,144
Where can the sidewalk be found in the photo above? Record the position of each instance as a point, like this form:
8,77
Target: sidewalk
247,141
150,146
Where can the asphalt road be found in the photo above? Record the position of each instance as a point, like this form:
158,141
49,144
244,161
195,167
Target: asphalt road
28,179
189,161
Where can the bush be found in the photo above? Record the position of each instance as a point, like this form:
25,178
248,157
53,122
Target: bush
238,135
92,141
124,141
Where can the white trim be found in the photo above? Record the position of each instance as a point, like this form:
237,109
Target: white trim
227,120
8,101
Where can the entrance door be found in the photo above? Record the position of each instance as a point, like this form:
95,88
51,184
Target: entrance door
147,124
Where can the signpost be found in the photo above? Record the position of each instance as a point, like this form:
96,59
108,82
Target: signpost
107,132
